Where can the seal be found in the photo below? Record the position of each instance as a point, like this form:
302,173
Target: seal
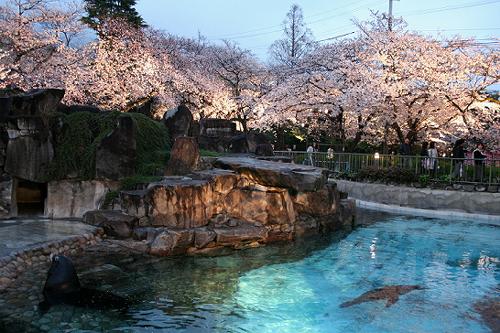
389,293
63,287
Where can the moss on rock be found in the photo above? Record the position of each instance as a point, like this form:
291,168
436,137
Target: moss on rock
81,133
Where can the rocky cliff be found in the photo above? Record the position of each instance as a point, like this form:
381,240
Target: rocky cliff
242,202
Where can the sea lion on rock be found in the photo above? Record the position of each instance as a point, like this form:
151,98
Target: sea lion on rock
63,287
390,293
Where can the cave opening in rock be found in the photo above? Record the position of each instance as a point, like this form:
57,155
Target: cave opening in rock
30,198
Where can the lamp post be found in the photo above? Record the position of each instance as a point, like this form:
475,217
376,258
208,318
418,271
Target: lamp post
376,156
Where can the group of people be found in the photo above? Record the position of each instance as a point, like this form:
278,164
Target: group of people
459,157
429,155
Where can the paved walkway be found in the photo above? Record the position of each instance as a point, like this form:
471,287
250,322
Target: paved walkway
16,235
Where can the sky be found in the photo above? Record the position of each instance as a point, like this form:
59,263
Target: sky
255,24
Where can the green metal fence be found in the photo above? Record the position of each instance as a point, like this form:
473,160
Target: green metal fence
442,169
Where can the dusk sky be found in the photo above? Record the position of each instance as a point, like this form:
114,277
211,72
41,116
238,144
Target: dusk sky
256,24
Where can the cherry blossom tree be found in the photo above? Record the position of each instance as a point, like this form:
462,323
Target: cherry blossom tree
385,86
121,70
35,35
242,75
195,85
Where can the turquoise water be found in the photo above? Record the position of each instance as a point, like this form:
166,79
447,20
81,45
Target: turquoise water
299,287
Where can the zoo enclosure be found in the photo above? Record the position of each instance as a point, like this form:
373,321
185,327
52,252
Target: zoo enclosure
442,169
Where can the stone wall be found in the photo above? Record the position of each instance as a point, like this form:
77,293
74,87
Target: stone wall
423,198
72,198
6,196
16,263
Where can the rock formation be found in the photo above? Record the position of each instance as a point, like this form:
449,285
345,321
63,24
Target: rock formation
242,203
114,223
26,129
184,156
249,143
179,122
116,153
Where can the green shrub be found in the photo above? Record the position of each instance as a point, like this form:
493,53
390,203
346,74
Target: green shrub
81,133
445,178
132,183
152,145
210,153
77,142
110,196
424,180
388,174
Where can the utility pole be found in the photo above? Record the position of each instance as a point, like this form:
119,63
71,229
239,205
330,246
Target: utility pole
390,14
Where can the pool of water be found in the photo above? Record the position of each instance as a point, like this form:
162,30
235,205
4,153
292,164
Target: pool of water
299,287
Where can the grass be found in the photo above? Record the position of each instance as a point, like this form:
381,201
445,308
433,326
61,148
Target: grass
210,153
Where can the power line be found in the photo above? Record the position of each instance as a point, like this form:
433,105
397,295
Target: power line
460,29
335,37
243,36
448,8
273,27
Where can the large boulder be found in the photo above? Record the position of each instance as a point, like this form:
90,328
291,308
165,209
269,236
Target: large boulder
117,152
203,237
37,102
239,144
29,156
72,198
179,122
299,178
114,222
322,202
264,205
264,149
184,156
29,149
254,140
181,202
254,143
178,203
170,242
241,232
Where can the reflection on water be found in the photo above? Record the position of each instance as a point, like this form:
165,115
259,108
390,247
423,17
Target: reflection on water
299,287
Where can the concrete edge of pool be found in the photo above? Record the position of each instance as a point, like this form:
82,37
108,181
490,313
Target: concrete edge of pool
443,214
18,261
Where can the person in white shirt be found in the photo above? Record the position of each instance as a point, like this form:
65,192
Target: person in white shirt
432,153
310,151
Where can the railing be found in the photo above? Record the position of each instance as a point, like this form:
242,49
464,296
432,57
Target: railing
443,169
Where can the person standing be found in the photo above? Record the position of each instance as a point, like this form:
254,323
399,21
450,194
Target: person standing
432,154
479,162
330,156
405,151
458,158
310,151
423,157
